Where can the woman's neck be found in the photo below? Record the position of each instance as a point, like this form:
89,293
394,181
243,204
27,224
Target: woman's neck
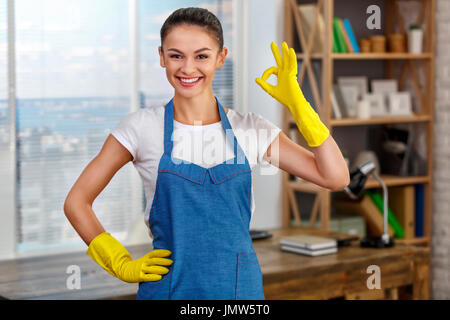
198,110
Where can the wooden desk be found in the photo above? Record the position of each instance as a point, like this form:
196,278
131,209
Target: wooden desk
343,274
285,275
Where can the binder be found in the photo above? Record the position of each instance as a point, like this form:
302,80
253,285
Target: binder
339,37
309,242
309,252
351,36
345,36
392,220
366,208
401,201
419,207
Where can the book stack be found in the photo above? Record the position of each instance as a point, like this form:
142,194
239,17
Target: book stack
344,40
308,245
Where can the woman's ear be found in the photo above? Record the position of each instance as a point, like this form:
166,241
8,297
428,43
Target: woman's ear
221,58
161,57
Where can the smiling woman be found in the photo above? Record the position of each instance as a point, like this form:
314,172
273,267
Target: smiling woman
152,16
190,60
199,212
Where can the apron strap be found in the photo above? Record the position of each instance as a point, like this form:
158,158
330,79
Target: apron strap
239,156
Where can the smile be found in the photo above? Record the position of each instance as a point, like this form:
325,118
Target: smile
189,82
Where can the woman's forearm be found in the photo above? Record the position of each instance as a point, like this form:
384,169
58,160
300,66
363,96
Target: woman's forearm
331,164
82,218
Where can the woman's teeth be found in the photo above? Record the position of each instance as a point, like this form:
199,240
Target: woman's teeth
189,80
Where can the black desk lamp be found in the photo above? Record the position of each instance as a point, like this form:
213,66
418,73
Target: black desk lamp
358,178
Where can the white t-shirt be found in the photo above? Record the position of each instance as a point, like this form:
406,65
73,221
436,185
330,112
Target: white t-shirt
142,134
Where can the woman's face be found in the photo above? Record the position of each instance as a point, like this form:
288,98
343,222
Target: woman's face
190,56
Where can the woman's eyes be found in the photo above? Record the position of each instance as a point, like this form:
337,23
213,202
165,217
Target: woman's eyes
200,56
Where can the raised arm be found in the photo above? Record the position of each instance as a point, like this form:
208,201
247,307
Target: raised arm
324,165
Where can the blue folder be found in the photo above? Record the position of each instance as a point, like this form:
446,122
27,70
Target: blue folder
351,35
419,202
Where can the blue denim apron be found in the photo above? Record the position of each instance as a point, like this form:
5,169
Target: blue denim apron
202,216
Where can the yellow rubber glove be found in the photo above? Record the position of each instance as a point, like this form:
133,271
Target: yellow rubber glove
288,92
112,256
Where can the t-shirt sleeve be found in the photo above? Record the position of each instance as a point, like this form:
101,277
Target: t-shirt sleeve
126,132
267,132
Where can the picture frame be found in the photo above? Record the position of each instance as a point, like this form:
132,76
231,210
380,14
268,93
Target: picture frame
377,104
384,86
335,105
350,97
360,81
400,103
339,102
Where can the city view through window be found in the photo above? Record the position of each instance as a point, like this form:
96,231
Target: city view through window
73,71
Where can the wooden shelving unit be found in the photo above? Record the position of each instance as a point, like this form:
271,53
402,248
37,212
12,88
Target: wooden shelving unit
425,99
369,56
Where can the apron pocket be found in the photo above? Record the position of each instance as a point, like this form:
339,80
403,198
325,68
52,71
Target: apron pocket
155,290
249,284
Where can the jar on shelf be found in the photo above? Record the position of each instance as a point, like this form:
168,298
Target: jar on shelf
378,43
415,39
365,45
397,42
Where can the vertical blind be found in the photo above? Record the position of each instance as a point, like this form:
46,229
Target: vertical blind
73,68
223,79
4,111
72,65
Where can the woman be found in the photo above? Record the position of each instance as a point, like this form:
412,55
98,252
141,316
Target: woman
199,211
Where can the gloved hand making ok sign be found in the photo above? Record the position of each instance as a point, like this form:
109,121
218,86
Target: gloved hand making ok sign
288,92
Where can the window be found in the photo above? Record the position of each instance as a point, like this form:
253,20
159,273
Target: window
4,110
7,176
73,67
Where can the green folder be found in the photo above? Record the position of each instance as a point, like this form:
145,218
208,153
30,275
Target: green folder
339,37
393,222
335,46
335,40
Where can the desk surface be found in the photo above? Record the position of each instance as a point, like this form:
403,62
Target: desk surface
285,275
343,274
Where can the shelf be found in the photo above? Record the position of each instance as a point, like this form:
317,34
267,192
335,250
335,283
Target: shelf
402,66
392,181
413,241
389,180
301,56
369,56
379,120
305,186
378,56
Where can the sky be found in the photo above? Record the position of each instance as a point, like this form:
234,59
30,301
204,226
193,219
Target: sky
79,48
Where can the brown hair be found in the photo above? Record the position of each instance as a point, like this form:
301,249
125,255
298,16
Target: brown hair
194,16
